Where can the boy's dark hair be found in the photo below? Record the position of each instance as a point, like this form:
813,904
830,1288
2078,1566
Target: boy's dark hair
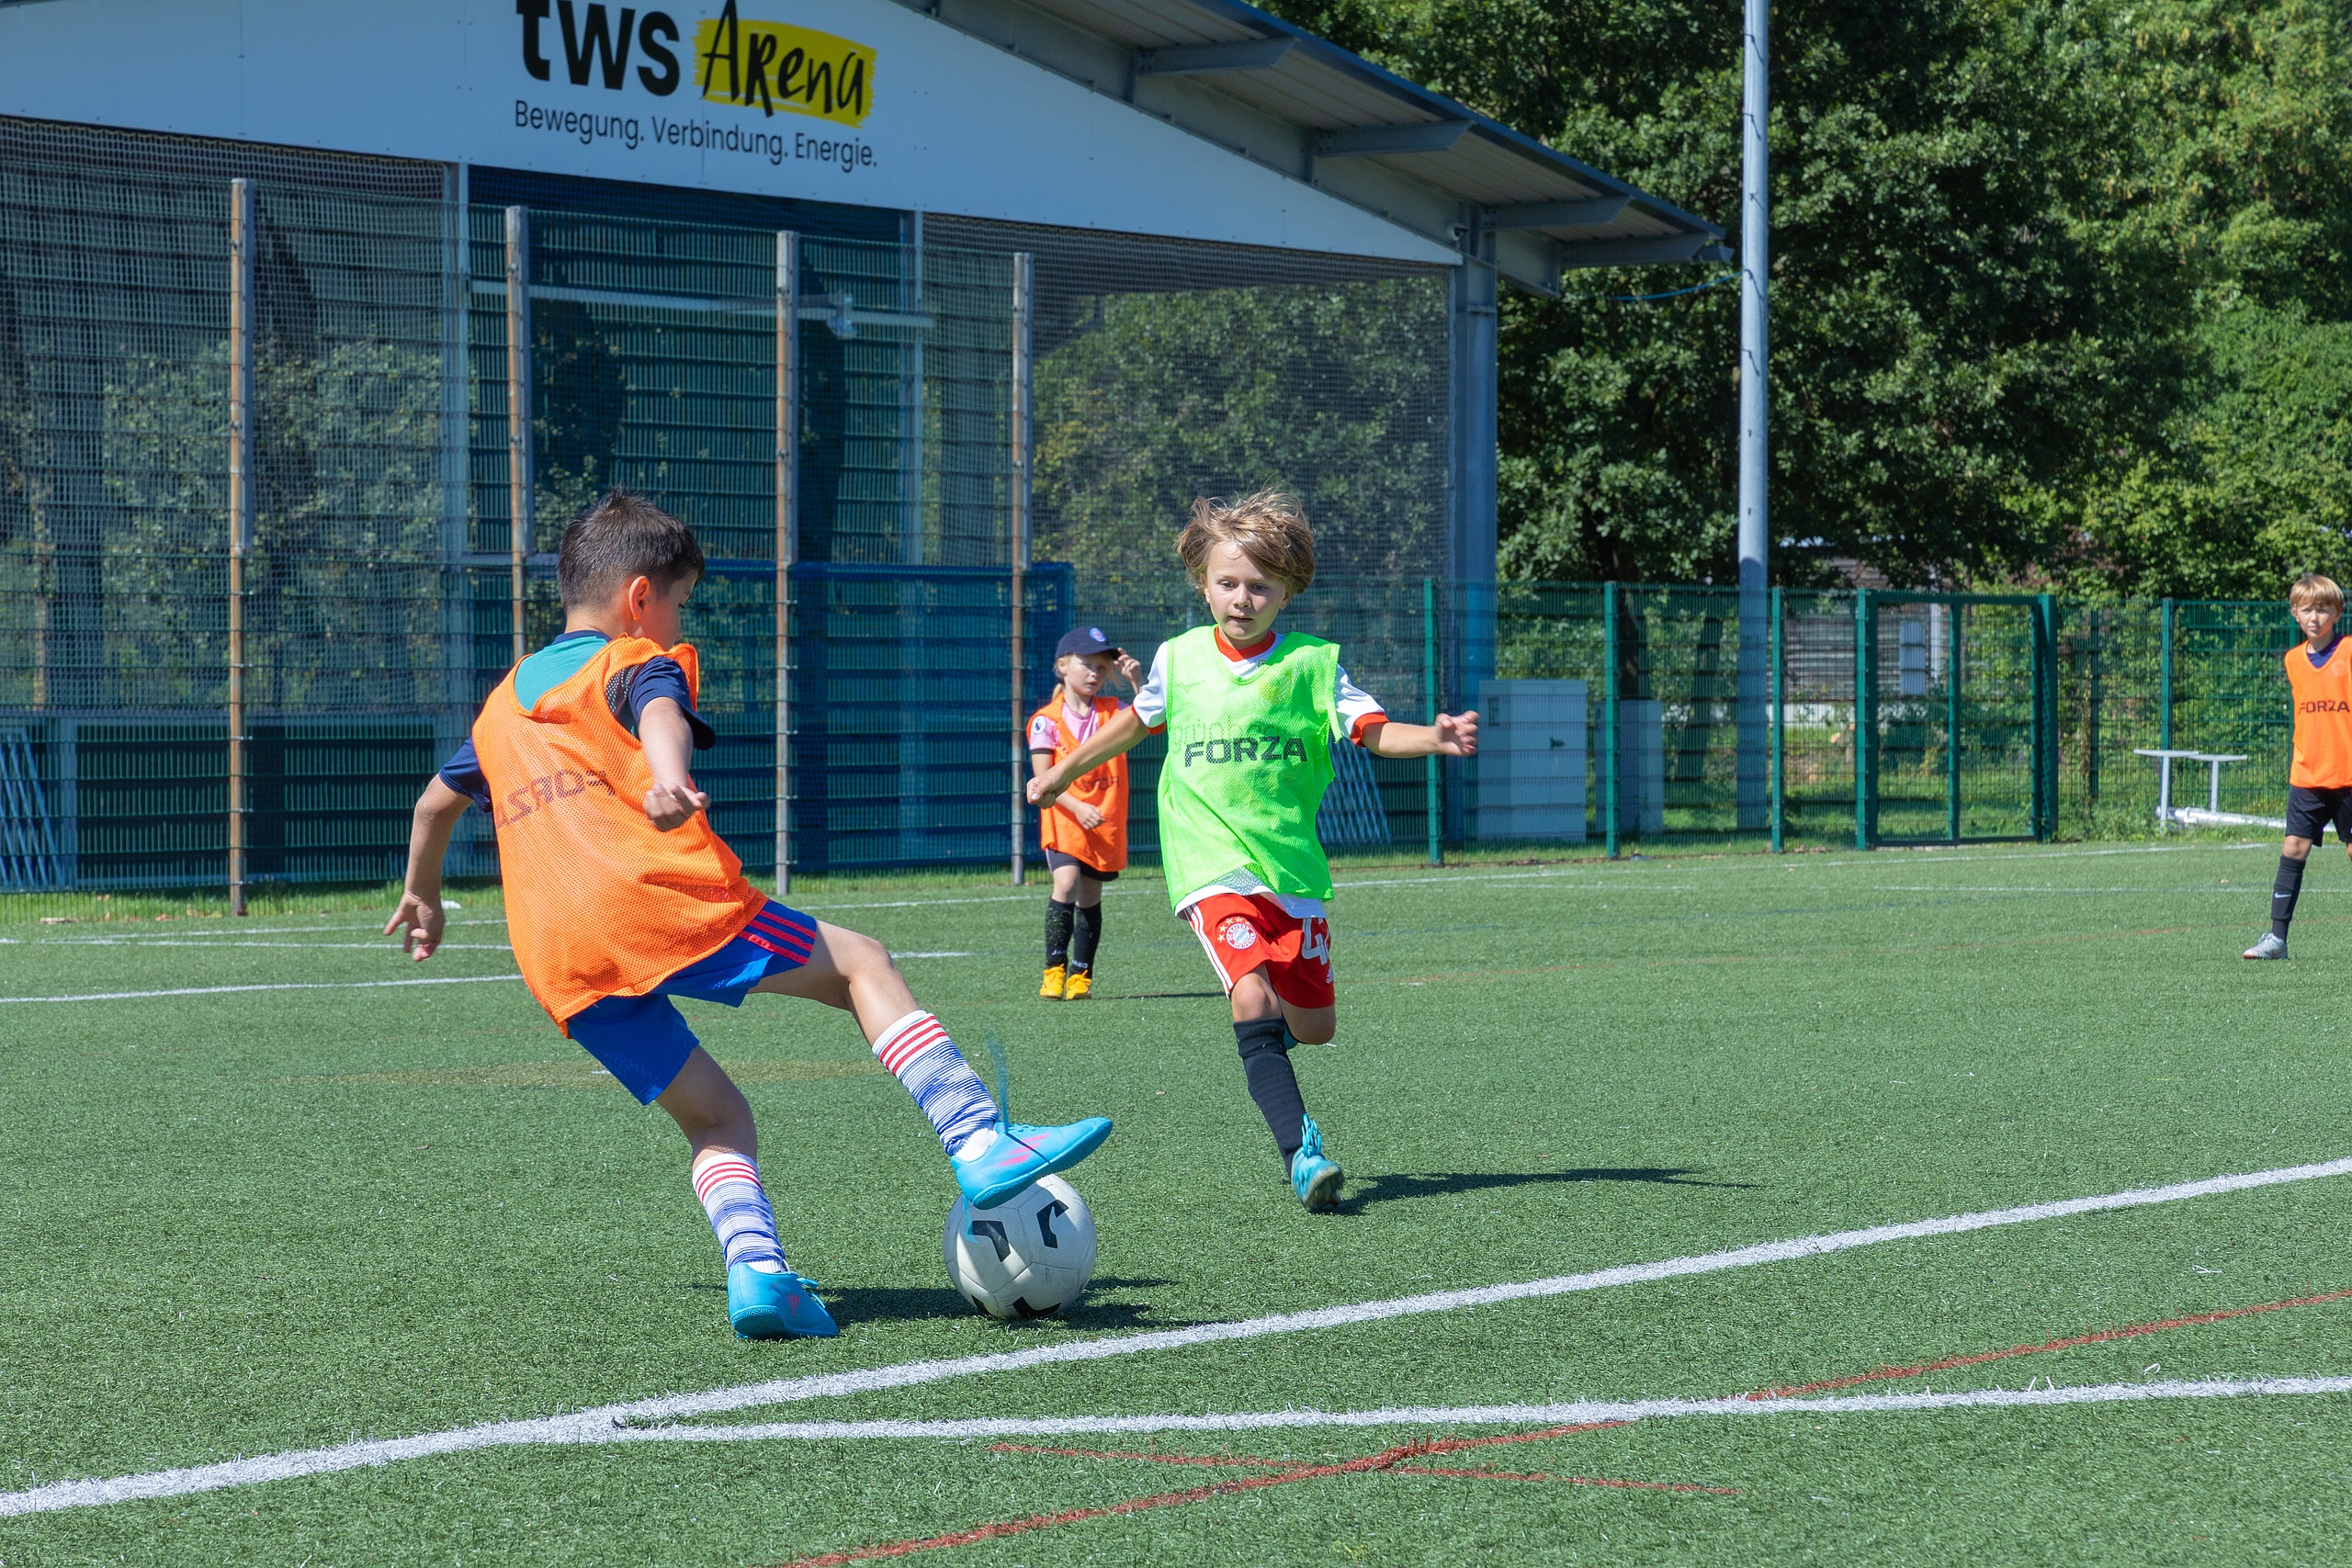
622,536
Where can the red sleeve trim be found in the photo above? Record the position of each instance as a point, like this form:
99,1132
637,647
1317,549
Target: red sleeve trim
1155,729
1366,726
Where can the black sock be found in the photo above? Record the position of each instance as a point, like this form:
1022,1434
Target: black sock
1086,933
2283,894
1266,1058
1058,921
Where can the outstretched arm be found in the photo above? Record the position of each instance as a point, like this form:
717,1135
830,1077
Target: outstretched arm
1117,735
418,916
669,743
1453,735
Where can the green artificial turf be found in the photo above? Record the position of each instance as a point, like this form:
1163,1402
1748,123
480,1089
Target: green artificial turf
248,1221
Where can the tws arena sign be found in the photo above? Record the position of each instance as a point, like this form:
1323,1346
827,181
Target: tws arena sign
770,66
869,103
766,67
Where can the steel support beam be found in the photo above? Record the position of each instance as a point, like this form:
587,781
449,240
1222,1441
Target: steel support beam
1207,58
1372,140
1755,538
1559,214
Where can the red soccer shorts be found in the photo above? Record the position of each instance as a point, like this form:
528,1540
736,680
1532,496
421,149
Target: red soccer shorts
1241,932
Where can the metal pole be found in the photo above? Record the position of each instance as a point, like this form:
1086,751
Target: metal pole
1780,722
2045,750
1431,774
787,530
1024,284
1755,537
1865,717
1952,721
518,410
240,511
1608,714
2163,681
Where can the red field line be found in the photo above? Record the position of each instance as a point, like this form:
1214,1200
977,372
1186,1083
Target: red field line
1239,1462
1385,1459
1392,1459
1564,1480
2133,1331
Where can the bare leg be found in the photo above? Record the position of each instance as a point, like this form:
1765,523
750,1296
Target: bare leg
1253,997
1069,886
709,1110
850,972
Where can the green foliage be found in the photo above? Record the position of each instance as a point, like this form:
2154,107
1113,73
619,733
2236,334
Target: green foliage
2054,285
1325,389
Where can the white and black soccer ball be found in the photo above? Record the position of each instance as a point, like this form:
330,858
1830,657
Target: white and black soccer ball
1029,1256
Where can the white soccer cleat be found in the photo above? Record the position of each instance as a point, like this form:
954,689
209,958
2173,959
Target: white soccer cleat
2272,945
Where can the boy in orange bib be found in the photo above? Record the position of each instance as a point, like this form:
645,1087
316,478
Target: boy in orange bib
1084,834
2319,782
619,896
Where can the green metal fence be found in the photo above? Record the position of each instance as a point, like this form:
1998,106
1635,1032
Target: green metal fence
285,451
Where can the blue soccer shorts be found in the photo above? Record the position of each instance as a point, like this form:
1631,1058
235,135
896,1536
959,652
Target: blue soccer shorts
643,1041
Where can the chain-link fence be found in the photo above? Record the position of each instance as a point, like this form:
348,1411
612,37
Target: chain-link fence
281,474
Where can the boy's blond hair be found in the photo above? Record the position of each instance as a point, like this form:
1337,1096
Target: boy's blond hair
2311,589
1269,528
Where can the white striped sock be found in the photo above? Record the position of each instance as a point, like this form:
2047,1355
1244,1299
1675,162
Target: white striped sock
918,1051
729,1186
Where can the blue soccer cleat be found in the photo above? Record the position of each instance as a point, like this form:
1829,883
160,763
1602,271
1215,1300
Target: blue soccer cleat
776,1307
1316,1180
1004,1159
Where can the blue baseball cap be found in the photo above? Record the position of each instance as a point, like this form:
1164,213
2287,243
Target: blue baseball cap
1084,639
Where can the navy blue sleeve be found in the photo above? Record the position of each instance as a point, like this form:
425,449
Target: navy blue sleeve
463,774
660,677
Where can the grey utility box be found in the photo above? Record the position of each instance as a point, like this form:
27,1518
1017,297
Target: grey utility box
1530,759
1641,767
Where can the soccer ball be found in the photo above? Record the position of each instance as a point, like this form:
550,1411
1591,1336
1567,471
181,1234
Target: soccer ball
1028,1256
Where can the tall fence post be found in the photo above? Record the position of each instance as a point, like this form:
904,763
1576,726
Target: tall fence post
1024,287
1951,722
2164,678
520,501
1865,720
1780,727
1608,714
2045,713
788,529
240,511
1431,774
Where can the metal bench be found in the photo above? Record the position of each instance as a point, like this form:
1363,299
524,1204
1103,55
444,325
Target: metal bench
2211,814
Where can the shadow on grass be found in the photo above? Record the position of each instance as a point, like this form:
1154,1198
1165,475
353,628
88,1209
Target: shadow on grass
1398,1189
915,1304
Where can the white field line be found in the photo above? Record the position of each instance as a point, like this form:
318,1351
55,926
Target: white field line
231,930
384,944
286,985
599,1423
1931,854
1574,1413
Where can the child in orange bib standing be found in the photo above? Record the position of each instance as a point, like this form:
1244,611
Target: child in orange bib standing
1084,834
619,896
2319,782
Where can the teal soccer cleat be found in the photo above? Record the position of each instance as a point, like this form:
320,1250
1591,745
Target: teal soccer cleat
1316,1180
776,1307
1001,1161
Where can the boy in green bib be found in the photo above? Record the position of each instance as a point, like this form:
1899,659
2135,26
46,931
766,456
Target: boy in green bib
1250,714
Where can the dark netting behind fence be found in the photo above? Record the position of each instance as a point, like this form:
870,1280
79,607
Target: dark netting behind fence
379,601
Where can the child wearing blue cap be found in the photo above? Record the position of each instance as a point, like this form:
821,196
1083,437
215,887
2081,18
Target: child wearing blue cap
1084,833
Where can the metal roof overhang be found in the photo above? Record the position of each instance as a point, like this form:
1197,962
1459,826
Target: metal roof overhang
1263,89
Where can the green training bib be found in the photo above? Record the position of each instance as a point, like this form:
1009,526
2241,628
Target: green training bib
1248,759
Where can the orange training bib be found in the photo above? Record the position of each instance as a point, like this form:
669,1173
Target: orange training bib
2322,717
1103,848
599,902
